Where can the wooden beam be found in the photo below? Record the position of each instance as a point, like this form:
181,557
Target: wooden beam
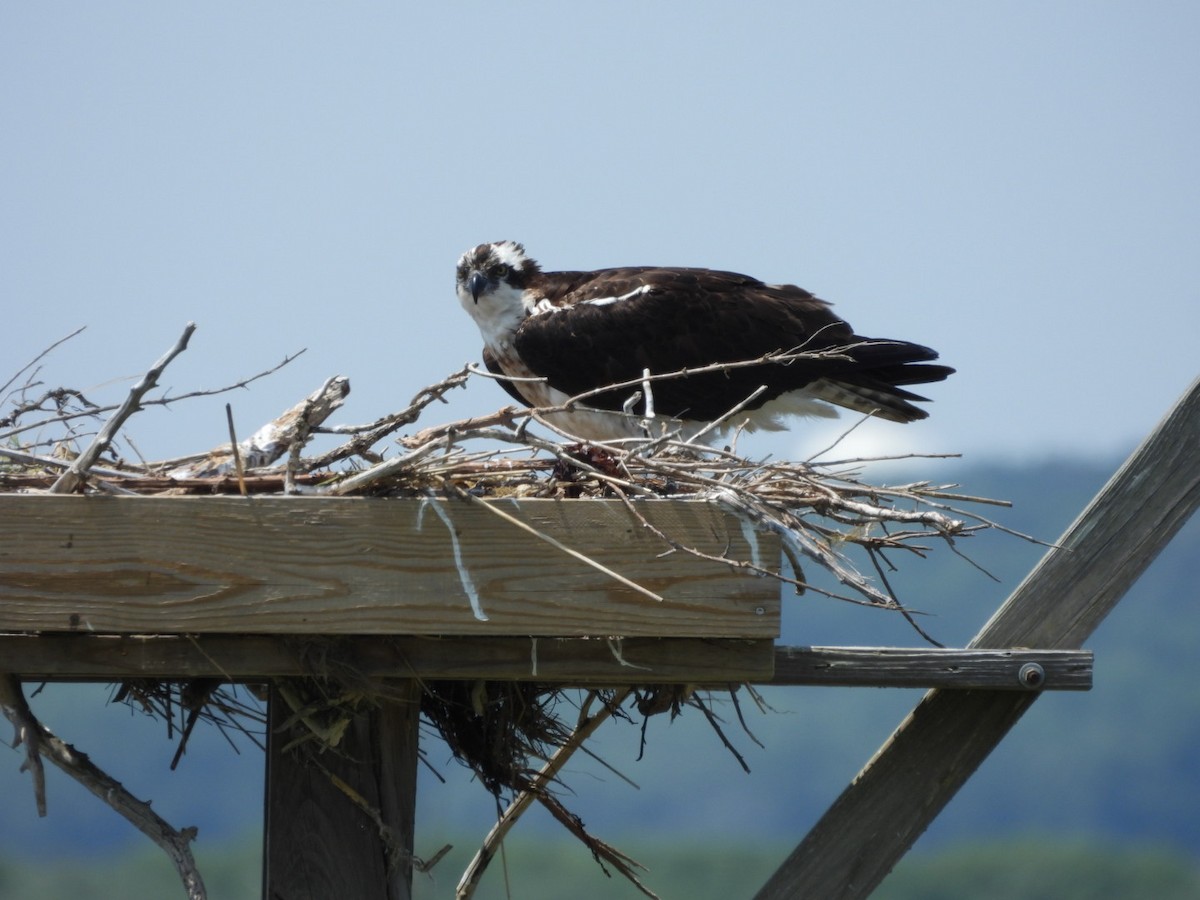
74,657
324,565
339,822
928,667
949,734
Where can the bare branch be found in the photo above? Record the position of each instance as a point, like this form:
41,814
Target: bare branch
156,401
72,478
538,790
775,357
40,741
553,542
274,439
33,362
27,732
365,436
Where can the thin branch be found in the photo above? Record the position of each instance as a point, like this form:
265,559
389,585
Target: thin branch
53,462
156,401
40,741
777,357
556,544
290,429
27,732
537,790
718,422
33,362
365,436
71,479
238,467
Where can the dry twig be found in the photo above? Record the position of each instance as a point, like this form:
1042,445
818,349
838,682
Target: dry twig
273,440
40,741
70,479
538,790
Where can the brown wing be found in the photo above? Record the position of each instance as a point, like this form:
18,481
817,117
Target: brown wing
493,366
613,324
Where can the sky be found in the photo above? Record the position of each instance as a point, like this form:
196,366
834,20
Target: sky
1013,184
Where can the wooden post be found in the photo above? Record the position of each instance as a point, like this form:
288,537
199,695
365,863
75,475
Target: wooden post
322,837
949,734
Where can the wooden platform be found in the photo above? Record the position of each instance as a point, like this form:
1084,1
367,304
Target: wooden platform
252,588
280,565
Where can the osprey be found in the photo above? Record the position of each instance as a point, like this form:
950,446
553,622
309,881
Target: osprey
556,335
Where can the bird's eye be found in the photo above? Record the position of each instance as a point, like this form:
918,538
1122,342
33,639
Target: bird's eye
502,270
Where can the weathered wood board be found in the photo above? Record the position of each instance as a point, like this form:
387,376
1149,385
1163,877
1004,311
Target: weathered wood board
56,656
305,565
317,844
76,656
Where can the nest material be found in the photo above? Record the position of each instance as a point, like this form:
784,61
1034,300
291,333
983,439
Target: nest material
822,509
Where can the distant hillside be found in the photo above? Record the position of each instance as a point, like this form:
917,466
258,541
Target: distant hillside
1117,763
1044,867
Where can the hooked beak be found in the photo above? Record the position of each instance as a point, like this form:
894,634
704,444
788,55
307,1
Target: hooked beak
477,284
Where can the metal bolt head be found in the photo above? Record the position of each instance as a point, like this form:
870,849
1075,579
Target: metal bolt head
1032,676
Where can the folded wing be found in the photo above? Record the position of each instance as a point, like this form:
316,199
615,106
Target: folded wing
612,325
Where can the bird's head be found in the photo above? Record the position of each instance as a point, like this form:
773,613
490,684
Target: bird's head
490,281
489,268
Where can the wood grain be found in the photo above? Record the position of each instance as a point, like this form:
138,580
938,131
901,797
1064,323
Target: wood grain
927,667
319,843
370,566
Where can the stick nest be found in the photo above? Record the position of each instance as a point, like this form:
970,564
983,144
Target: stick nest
826,513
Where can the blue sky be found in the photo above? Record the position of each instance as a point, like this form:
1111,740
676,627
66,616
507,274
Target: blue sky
1013,184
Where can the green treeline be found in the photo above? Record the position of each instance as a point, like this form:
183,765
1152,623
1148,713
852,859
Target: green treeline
1041,869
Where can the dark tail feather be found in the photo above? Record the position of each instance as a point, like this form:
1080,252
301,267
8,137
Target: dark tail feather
877,388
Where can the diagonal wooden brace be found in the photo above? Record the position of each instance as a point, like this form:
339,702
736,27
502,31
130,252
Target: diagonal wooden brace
948,735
